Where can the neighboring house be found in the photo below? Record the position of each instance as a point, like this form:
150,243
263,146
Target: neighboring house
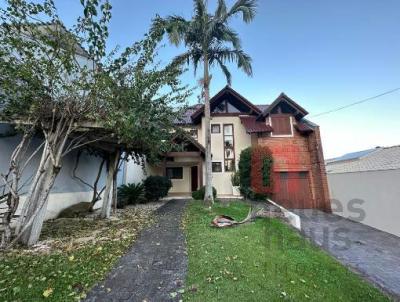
299,171
368,180
67,190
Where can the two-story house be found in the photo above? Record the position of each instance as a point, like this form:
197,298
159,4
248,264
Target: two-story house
236,123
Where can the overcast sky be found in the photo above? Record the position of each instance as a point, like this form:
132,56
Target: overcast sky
322,53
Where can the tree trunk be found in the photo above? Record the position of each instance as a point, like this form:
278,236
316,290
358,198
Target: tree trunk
13,194
38,206
96,195
114,192
35,181
208,196
50,166
108,192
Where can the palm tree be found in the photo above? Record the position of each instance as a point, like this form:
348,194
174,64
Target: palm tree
210,41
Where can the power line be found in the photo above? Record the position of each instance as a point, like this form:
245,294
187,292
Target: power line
358,102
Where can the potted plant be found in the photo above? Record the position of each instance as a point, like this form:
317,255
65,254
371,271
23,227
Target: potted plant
235,179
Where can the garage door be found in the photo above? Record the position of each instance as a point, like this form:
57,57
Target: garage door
292,190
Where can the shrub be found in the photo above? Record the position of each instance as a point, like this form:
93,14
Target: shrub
245,172
199,194
156,187
261,173
130,194
255,172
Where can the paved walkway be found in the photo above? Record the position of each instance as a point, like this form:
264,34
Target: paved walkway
372,253
154,268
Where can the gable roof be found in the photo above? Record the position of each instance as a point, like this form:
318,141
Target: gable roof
188,140
378,159
196,116
186,118
300,111
194,113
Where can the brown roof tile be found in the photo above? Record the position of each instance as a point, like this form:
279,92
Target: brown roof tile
252,126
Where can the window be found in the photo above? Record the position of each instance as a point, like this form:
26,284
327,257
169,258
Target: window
232,109
215,128
281,124
194,133
229,165
175,173
217,167
221,107
226,107
229,148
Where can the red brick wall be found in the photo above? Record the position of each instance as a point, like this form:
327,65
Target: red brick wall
320,180
302,153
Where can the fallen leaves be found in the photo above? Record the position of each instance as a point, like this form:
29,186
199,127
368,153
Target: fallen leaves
47,293
69,263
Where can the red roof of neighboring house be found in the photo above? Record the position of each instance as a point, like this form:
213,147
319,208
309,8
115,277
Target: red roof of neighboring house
252,126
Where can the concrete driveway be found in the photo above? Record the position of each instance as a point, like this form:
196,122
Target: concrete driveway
372,253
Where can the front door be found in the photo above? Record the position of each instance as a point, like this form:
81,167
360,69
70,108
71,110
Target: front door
195,178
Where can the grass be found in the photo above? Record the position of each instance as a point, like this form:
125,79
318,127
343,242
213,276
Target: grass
262,261
79,252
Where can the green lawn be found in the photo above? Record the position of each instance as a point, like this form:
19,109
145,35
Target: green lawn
72,266
262,261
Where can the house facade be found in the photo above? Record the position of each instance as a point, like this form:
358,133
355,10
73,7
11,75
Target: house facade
236,123
364,186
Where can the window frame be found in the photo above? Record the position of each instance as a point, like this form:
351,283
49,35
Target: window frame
282,135
212,166
173,177
232,148
219,128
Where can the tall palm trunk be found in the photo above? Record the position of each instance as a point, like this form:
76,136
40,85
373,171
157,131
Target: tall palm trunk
208,196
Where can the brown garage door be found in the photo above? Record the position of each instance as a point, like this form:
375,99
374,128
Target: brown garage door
292,190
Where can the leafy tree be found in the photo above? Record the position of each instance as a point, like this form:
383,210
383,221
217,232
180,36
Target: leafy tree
210,41
77,98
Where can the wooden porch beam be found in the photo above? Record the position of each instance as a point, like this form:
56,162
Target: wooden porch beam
184,154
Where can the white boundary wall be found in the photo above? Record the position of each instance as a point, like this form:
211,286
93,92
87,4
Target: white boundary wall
375,195
293,218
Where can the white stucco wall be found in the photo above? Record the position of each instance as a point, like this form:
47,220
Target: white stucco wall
222,181
376,193
134,172
66,190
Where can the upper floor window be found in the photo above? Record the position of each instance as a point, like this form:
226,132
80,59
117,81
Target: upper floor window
226,107
215,128
282,125
229,148
221,107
